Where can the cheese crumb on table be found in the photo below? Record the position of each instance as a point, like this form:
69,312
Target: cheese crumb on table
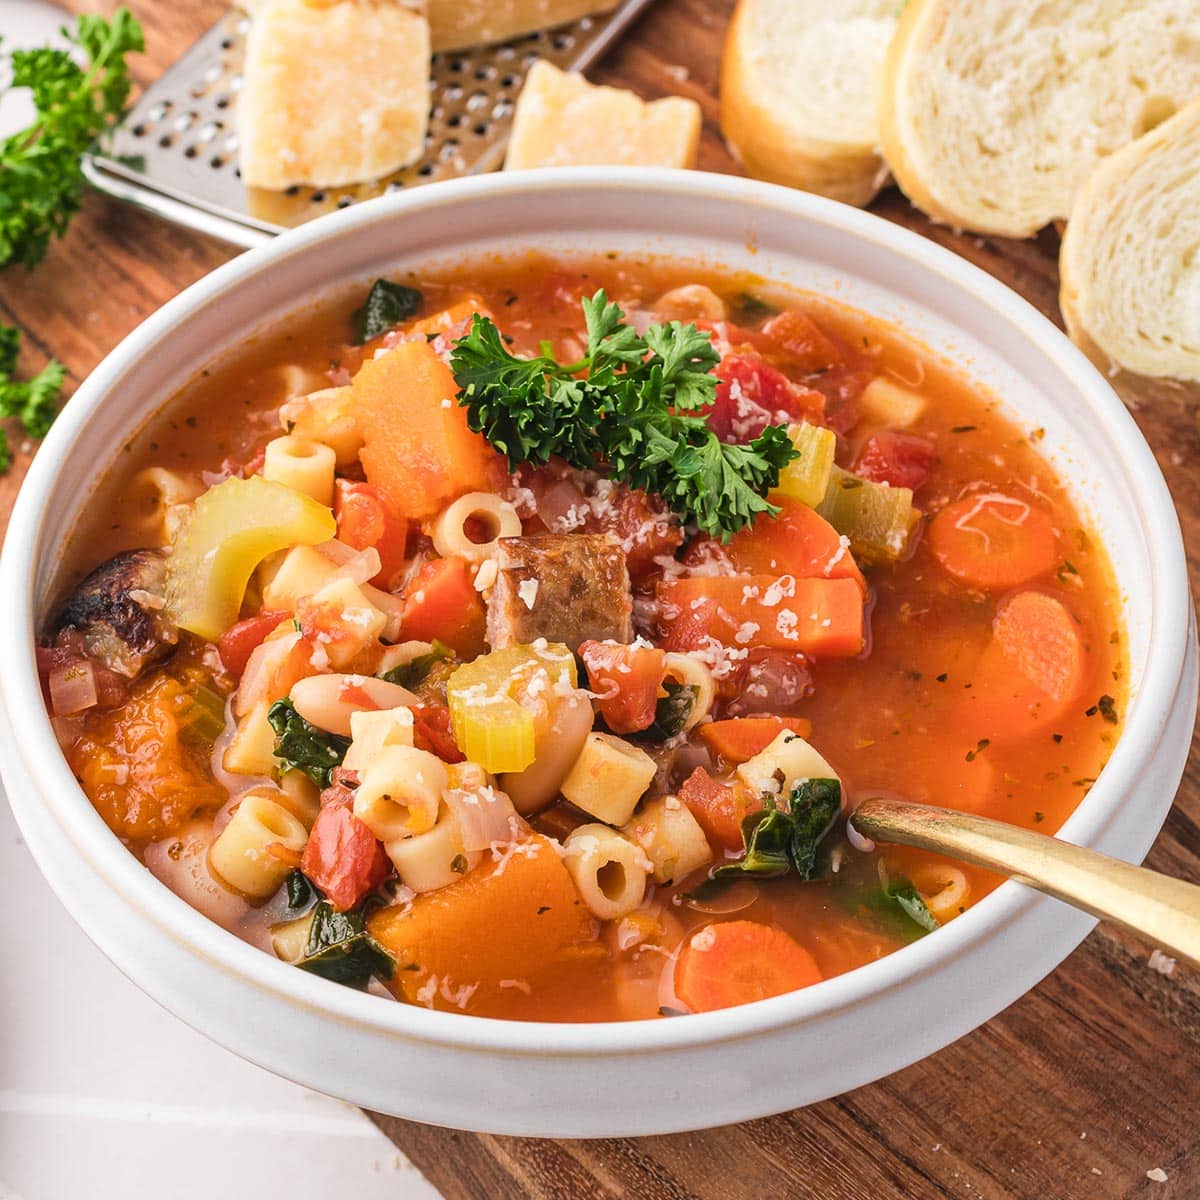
562,120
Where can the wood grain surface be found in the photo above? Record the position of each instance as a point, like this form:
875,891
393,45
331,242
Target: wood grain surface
1076,1091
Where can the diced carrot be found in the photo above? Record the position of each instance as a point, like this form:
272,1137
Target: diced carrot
417,448
342,856
627,681
239,641
819,617
737,962
511,917
365,520
993,541
799,541
442,603
739,739
719,808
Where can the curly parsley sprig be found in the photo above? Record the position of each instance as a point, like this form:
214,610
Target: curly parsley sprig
41,180
34,402
635,402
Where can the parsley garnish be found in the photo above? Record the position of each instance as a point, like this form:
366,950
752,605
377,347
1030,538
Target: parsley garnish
41,180
634,401
34,402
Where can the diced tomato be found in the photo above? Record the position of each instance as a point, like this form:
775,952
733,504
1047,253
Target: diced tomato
365,520
442,603
627,681
797,542
899,459
841,387
740,739
753,394
343,857
239,641
800,338
432,732
819,617
642,524
719,808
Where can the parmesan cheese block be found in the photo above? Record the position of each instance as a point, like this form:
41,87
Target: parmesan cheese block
798,93
1129,265
456,24
994,113
333,93
562,120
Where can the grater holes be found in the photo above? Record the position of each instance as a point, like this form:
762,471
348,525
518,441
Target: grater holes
317,197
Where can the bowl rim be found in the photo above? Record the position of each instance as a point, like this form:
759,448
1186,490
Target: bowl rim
31,735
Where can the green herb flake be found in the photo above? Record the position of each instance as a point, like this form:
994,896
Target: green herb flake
634,402
33,402
387,305
1108,709
980,747
672,711
300,746
964,428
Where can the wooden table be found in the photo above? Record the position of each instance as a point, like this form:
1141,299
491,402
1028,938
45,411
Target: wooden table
1078,1090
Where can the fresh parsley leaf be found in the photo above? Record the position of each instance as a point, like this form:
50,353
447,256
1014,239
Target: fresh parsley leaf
300,746
634,402
34,402
339,948
672,710
413,672
387,305
41,180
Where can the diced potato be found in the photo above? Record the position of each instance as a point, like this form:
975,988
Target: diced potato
787,761
885,402
609,777
252,750
302,572
671,839
346,622
370,732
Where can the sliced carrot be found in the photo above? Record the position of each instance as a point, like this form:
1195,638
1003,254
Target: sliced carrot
416,445
739,739
738,962
797,542
719,808
441,602
993,541
819,617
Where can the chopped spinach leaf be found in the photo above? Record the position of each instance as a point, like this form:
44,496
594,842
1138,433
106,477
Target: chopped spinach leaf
387,305
339,948
905,896
753,308
303,747
299,898
413,672
672,711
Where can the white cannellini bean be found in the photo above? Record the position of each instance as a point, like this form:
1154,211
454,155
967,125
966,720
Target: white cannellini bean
328,701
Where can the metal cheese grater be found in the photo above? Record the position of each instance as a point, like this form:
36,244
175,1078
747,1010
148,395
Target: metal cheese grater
175,151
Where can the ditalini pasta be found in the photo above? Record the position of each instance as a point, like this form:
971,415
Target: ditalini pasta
493,638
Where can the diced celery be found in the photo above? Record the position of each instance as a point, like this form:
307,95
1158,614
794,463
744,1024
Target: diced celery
496,702
233,527
875,517
806,478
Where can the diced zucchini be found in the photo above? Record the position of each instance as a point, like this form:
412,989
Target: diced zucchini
875,517
497,700
806,478
885,402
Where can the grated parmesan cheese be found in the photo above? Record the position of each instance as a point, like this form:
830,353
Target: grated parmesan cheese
527,589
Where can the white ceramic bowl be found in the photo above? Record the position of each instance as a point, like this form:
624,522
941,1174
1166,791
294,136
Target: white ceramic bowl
641,1077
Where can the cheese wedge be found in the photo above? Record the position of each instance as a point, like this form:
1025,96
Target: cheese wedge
1130,276
333,93
456,24
562,120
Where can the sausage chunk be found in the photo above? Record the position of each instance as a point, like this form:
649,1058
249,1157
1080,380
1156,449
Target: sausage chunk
119,611
562,587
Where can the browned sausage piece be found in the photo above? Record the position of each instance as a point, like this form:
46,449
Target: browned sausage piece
561,587
119,610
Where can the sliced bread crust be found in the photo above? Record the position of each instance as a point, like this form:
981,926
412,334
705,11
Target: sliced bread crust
797,93
993,113
1130,260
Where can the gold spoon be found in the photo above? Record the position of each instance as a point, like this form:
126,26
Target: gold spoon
1162,910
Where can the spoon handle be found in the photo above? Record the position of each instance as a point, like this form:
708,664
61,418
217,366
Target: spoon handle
1162,910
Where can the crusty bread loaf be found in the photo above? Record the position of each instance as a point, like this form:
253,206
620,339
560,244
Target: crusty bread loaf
798,93
993,113
1130,263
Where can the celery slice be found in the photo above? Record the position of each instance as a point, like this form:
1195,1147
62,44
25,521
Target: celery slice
876,518
806,478
497,701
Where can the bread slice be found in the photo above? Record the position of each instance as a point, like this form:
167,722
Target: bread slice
456,24
562,120
333,94
994,113
1130,261
798,93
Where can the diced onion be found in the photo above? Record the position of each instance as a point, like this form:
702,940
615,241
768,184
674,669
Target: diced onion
485,817
359,565
73,687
